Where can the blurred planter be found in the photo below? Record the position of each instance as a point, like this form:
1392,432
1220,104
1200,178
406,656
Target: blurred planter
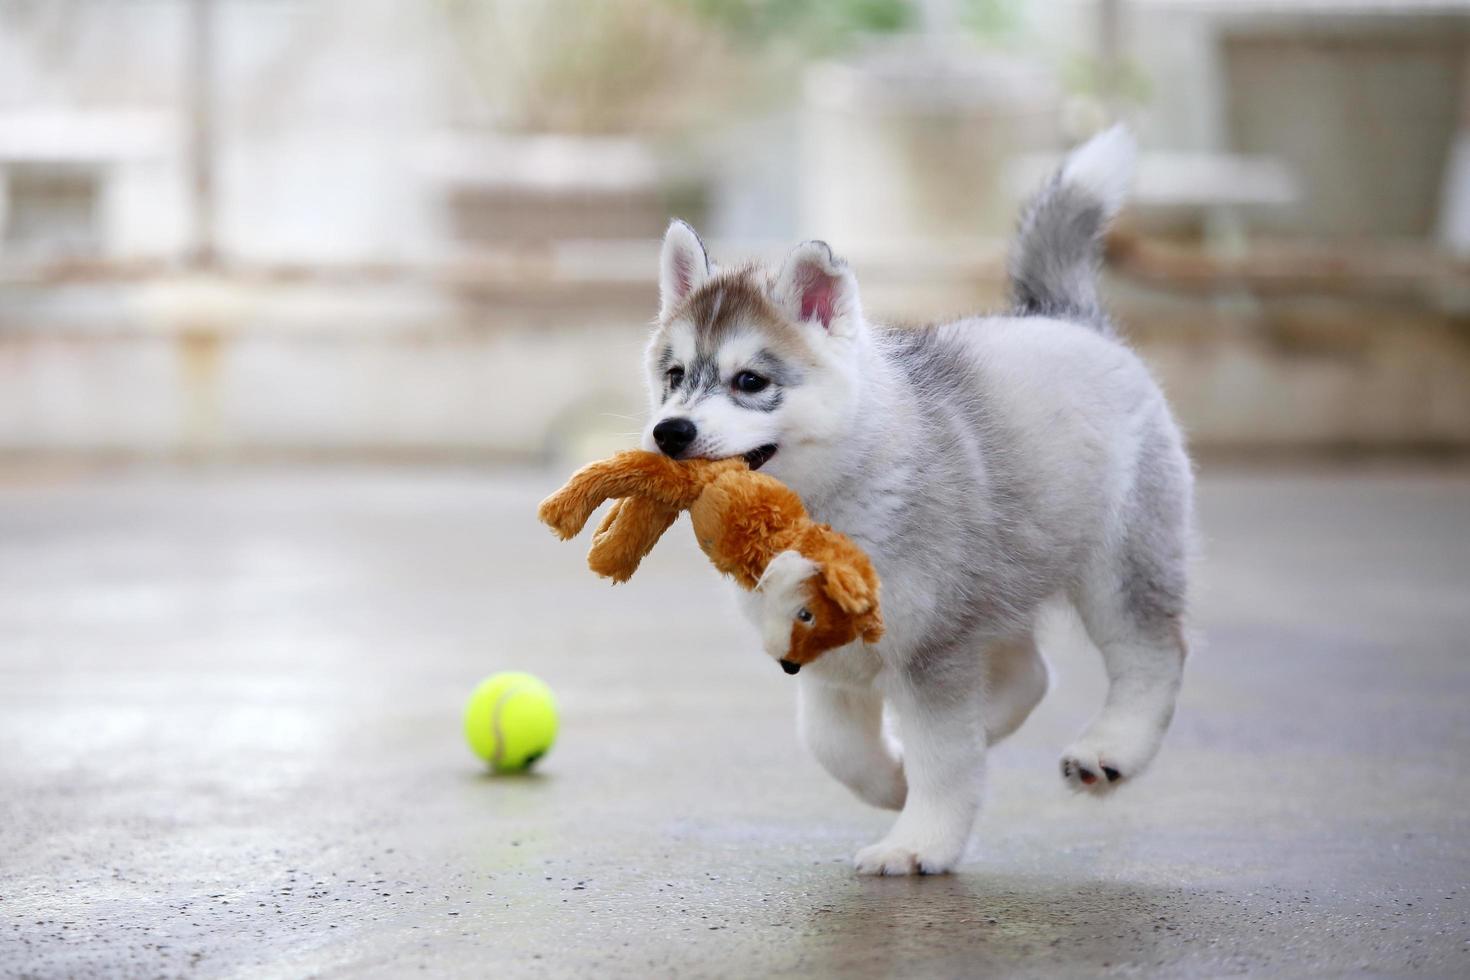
913,141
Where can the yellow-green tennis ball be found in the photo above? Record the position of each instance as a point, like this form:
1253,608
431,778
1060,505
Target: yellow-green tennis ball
510,721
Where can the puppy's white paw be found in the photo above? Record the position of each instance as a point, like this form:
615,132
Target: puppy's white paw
891,857
1099,763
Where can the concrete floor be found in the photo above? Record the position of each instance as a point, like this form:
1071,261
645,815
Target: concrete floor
229,745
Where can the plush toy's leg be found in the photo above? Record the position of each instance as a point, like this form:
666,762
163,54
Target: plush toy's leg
634,473
627,534
609,521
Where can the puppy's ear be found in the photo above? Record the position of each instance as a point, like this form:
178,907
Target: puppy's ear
682,266
870,626
816,286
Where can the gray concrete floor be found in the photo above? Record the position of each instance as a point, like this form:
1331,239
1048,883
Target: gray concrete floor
229,745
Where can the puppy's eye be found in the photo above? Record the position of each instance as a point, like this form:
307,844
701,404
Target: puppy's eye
750,382
804,615
676,377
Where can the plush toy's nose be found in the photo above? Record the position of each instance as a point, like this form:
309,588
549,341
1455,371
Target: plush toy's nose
790,666
674,435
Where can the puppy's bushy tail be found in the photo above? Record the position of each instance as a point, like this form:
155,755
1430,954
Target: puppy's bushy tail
1058,248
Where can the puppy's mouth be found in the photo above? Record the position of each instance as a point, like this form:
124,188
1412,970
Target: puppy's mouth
760,456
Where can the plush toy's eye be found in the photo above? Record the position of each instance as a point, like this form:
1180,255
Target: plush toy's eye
750,382
804,615
676,377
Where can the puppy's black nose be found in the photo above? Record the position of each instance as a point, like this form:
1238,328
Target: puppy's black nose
790,667
674,435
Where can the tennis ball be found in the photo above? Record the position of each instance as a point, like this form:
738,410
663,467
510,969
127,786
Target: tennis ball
510,721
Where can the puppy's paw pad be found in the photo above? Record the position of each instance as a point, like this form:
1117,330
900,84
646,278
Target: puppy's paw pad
884,858
1091,771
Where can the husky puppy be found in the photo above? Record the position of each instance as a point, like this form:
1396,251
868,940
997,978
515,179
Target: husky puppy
986,465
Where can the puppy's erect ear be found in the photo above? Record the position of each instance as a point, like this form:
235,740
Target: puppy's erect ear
682,266
815,285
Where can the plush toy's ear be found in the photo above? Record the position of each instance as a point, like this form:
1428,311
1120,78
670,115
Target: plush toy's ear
853,585
682,267
847,587
816,286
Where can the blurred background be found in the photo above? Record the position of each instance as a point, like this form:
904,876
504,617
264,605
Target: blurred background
415,230
304,304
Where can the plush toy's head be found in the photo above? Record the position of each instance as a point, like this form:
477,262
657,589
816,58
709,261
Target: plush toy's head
809,606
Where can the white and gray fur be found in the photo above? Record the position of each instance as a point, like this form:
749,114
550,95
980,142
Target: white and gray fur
986,465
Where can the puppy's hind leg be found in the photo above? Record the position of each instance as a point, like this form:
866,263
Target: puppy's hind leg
1132,602
1145,666
842,727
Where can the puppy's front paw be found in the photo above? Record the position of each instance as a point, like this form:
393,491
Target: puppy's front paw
890,857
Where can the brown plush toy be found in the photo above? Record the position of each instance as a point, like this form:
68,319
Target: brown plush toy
752,527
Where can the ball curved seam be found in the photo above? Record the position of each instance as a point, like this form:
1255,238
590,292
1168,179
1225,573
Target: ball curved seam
495,729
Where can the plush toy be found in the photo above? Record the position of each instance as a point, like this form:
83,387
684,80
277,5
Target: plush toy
751,526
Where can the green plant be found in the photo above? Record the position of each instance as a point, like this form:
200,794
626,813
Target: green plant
590,66
818,26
